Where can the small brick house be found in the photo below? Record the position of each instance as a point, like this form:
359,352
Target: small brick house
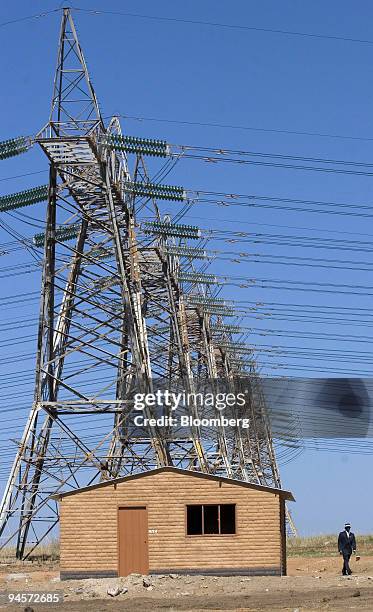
173,520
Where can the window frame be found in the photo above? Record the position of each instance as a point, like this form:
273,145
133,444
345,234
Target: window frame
211,535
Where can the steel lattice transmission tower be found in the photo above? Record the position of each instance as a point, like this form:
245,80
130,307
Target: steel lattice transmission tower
121,304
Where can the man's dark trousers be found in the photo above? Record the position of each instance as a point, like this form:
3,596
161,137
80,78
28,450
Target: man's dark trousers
346,568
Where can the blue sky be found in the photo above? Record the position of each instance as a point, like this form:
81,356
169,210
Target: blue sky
266,81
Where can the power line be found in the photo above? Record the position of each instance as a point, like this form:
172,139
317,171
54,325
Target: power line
227,26
250,128
29,17
9,178
278,164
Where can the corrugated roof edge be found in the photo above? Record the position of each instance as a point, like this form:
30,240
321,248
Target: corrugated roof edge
241,483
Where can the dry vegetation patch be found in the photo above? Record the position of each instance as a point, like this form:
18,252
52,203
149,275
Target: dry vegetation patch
46,552
325,545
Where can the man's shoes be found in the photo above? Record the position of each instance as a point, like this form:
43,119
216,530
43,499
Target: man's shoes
349,573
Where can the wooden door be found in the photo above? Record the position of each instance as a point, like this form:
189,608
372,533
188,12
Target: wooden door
133,541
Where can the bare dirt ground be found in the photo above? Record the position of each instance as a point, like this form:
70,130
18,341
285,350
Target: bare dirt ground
313,584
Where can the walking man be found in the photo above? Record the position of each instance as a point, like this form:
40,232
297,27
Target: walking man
346,546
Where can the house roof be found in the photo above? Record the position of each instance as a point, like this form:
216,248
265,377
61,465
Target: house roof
240,483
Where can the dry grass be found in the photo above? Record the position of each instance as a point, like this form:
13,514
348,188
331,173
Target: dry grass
319,546
48,551
312,546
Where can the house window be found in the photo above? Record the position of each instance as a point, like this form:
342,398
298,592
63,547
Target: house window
211,519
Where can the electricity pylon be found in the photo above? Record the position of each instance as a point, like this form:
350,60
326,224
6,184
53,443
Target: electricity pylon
121,306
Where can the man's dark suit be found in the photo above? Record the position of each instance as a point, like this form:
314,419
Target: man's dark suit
346,546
